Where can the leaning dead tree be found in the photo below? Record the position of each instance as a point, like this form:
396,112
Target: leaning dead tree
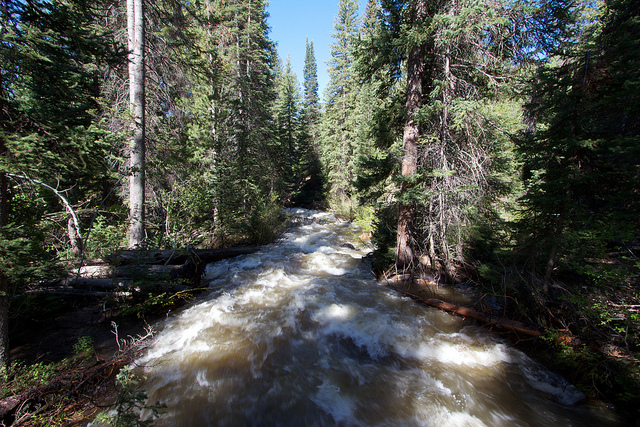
75,233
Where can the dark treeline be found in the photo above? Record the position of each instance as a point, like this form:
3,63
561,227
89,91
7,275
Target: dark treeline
489,142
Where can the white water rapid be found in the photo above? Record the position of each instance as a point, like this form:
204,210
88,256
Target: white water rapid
301,334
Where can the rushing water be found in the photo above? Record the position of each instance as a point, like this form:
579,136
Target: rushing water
301,334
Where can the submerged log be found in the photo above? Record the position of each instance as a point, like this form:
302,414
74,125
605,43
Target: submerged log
472,313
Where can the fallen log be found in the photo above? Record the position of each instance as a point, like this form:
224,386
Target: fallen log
459,310
76,292
166,266
107,271
175,257
99,284
94,271
119,285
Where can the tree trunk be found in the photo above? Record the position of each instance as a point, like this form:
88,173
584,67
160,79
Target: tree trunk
4,202
4,219
173,257
415,69
131,39
511,325
137,156
74,239
4,280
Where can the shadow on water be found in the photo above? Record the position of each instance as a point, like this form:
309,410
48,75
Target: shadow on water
300,334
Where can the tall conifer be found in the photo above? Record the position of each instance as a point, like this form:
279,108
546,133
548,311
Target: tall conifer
338,133
451,53
311,100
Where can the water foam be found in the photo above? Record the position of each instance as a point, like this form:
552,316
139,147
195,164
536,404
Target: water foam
299,331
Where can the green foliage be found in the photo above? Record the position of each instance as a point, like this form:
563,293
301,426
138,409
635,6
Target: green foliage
311,101
385,237
22,256
598,375
264,223
19,377
580,183
146,301
464,116
84,348
49,89
104,238
130,402
339,144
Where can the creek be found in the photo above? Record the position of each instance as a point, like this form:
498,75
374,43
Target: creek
301,334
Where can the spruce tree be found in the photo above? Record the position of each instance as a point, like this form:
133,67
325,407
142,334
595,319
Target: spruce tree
338,129
287,114
249,173
583,142
311,100
452,54
49,137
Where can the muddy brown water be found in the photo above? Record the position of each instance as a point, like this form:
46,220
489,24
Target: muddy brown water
301,334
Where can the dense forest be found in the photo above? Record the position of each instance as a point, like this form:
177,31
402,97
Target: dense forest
495,143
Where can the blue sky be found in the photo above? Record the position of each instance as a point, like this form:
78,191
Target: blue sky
292,21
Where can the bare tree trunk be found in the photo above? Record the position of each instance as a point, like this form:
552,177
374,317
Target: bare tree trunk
415,70
74,239
4,280
137,156
4,216
131,37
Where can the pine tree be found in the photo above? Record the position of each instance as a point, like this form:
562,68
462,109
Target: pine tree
48,96
289,125
338,131
580,150
311,100
249,172
452,53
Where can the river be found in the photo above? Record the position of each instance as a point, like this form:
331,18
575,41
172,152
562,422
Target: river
301,334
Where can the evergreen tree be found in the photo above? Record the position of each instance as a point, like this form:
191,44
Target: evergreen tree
289,125
249,174
48,96
453,58
311,101
338,130
580,150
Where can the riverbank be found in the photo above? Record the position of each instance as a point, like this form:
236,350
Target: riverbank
563,354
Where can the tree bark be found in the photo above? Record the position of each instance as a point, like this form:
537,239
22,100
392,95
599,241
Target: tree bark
74,240
4,280
511,325
137,155
415,70
4,217
4,319
178,256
